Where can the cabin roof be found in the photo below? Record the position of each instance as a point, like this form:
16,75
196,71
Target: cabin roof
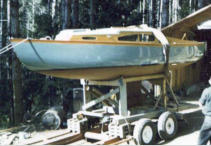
68,33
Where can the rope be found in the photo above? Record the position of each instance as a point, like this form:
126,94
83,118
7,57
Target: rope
10,46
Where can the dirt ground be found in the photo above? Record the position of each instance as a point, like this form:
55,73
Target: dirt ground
188,131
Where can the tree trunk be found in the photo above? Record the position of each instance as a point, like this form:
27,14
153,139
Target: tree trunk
16,72
3,36
154,13
200,4
75,13
150,12
1,61
190,6
143,12
4,23
66,13
170,12
165,13
158,14
175,9
161,13
92,14
55,17
50,7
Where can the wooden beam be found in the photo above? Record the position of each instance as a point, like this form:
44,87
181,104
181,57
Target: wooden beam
172,93
109,141
122,141
104,83
62,140
35,140
98,100
164,94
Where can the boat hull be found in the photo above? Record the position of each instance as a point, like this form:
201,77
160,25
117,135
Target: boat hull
51,55
98,61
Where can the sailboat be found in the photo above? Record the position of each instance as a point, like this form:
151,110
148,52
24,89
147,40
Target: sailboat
107,53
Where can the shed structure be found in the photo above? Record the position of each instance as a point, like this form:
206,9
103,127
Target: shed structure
192,27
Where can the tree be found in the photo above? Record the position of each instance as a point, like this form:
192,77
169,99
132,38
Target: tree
66,13
165,13
4,23
92,14
150,12
16,72
75,13
154,13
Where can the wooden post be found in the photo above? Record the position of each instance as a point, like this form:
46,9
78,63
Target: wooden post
164,93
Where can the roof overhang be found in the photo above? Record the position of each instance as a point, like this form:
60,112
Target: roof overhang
188,24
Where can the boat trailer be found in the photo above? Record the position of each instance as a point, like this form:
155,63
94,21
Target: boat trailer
102,123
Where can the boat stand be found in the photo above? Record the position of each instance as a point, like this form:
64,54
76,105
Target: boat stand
121,123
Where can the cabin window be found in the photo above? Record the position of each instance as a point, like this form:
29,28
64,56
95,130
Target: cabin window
89,38
128,38
146,38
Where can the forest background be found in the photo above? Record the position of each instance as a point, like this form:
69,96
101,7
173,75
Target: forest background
23,91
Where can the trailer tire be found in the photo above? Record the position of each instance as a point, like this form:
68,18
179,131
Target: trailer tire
167,125
144,132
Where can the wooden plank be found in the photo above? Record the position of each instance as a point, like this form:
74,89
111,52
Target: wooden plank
122,141
95,136
104,83
93,114
38,139
172,92
66,139
164,93
98,100
108,141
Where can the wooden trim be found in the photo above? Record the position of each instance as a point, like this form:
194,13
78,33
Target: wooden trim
175,42
117,43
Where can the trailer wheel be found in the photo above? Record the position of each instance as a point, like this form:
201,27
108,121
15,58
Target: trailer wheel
144,132
167,125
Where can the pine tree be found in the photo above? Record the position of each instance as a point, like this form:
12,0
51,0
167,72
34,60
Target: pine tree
75,13
17,80
66,14
92,14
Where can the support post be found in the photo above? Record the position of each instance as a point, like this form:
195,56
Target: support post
83,83
164,93
123,99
